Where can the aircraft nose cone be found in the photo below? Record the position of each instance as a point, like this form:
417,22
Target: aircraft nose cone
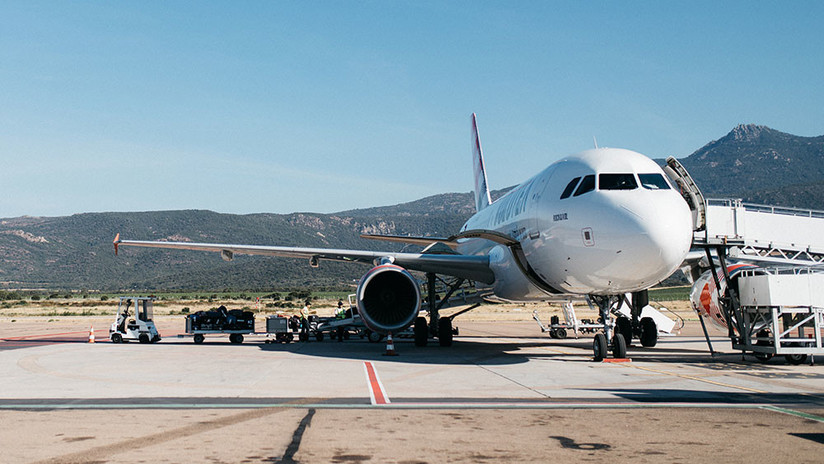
664,233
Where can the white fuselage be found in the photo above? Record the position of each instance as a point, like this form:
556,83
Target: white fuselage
620,228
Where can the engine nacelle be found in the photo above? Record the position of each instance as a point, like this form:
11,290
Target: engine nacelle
704,297
388,299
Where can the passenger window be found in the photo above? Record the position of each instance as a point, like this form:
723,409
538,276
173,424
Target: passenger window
570,187
616,182
587,185
653,182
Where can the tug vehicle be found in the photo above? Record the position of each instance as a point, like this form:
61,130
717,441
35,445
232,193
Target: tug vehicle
134,321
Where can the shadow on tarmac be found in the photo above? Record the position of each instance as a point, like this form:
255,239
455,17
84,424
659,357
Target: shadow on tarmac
715,397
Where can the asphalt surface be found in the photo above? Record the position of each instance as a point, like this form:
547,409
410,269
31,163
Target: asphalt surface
503,392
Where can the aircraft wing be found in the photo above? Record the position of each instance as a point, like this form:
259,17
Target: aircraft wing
465,266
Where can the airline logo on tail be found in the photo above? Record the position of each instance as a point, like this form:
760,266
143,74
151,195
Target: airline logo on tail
482,197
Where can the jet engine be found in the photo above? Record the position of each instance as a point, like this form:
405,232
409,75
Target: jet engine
388,298
704,297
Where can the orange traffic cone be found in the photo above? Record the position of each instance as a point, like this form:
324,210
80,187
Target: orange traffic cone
91,334
390,346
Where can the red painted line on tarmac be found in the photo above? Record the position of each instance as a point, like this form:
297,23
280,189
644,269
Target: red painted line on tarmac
376,391
616,360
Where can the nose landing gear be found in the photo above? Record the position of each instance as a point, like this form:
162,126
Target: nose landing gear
617,342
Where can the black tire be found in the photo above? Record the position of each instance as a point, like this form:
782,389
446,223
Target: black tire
346,335
560,333
649,332
762,357
199,338
374,337
553,333
619,346
143,338
623,326
445,331
421,331
304,337
156,339
795,359
319,336
599,347
236,338
117,338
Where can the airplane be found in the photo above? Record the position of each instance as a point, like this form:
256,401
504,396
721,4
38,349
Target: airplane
600,224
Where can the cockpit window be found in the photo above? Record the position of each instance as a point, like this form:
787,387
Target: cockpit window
653,181
616,182
587,185
570,187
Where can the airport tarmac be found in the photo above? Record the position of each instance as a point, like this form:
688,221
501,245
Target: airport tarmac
503,392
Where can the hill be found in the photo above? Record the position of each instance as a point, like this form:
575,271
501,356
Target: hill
762,165
752,162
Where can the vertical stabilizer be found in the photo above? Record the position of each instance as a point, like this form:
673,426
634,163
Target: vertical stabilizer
482,197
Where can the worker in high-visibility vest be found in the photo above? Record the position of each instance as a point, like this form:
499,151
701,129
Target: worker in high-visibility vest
341,313
304,320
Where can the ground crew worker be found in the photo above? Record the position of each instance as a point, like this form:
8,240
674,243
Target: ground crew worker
304,321
341,313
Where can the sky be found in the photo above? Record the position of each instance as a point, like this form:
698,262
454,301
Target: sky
324,106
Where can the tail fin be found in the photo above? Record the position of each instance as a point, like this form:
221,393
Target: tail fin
482,197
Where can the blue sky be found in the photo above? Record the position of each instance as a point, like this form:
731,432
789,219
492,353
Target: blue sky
247,106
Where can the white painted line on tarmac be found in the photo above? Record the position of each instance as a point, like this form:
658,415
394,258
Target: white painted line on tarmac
412,405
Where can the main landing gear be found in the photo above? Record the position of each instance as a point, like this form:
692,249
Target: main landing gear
610,339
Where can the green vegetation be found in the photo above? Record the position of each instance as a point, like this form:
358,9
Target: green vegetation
670,294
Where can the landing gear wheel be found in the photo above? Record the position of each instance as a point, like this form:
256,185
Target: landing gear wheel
795,359
117,338
599,347
421,331
623,326
649,332
236,338
445,331
374,337
560,333
199,338
619,346
143,338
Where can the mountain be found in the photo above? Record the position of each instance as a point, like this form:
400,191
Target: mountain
762,165
751,162
76,252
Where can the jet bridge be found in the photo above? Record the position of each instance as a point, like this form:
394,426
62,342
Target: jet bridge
763,233
777,308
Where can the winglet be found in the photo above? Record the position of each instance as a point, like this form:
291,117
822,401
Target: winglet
116,242
482,196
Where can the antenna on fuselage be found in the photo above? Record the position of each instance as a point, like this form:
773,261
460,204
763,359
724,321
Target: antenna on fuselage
595,141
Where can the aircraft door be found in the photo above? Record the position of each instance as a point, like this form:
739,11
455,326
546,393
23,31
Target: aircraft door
537,204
